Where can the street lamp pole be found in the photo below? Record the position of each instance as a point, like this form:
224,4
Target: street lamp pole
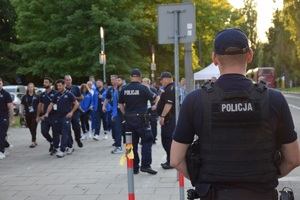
102,56
153,65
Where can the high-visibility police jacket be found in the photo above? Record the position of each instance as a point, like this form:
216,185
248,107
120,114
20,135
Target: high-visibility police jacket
238,143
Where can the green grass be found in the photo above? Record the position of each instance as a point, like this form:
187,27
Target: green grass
293,89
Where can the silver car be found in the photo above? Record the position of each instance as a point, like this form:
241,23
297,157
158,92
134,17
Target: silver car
16,101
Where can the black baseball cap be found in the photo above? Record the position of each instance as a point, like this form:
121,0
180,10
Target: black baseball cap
165,75
231,37
136,73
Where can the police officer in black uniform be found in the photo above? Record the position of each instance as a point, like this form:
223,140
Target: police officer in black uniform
246,132
166,111
133,103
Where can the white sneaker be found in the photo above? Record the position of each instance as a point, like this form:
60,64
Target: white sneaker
105,137
89,135
70,150
2,155
83,137
96,137
60,154
117,150
8,150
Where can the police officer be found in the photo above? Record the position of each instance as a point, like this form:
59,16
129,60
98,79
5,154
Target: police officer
6,118
246,132
133,103
76,116
166,111
152,109
45,99
65,105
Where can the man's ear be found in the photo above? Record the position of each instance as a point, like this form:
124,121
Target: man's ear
214,58
250,56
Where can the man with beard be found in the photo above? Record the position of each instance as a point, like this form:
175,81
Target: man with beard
65,105
75,118
44,100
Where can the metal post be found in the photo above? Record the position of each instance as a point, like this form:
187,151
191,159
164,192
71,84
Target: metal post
129,167
176,62
188,69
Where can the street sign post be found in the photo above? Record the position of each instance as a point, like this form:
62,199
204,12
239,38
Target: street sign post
176,24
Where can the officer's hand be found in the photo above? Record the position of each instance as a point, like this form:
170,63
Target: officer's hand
103,109
112,118
162,121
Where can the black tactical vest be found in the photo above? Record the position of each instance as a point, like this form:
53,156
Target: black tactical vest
238,143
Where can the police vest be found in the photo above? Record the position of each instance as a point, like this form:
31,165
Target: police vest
238,143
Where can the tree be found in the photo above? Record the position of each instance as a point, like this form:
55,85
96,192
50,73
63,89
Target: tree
8,58
249,26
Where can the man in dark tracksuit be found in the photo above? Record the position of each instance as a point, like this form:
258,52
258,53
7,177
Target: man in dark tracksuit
133,103
45,99
166,111
76,116
6,118
247,138
65,105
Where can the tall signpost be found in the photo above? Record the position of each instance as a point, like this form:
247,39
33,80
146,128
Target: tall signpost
176,24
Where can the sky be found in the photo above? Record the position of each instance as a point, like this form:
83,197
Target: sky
265,10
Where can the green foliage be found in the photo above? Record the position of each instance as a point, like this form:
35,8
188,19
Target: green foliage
8,58
61,37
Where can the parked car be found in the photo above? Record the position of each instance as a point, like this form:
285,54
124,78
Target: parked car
15,88
39,90
16,101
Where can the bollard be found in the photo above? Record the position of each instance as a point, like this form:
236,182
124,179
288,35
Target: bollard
181,186
129,166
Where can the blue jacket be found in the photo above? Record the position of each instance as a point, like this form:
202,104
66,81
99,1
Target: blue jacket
96,100
87,102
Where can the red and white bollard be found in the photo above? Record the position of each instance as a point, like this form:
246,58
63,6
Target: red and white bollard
129,151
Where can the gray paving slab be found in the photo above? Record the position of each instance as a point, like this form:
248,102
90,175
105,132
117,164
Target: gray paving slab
90,173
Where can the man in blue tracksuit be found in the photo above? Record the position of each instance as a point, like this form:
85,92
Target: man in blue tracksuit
75,118
45,99
65,105
98,99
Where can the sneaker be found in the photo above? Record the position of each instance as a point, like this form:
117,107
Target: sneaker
70,150
53,152
105,137
60,154
89,136
2,155
117,150
8,150
83,137
96,137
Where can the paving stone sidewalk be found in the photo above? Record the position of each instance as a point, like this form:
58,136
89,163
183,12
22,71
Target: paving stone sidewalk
90,173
